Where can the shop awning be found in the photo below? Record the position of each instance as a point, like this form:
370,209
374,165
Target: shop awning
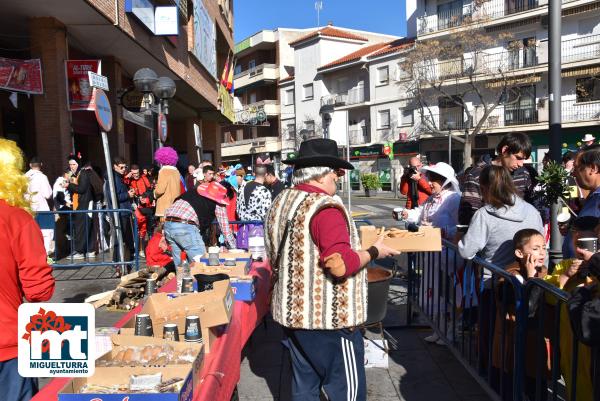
514,81
582,71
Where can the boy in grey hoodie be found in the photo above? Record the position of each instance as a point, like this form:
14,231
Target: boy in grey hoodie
492,230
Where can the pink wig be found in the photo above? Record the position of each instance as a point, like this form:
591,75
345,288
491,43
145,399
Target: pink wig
166,156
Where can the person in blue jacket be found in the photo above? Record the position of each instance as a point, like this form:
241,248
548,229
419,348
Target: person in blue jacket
124,201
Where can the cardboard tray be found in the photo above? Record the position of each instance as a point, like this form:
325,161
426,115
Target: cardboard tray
239,256
213,307
209,336
426,239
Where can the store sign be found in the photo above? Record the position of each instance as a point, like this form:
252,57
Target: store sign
251,115
375,150
142,119
204,38
21,75
143,10
166,21
79,90
132,100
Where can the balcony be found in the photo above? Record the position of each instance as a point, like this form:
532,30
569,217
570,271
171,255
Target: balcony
263,72
580,112
269,107
352,97
581,48
248,146
359,135
464,14
508,60
453,118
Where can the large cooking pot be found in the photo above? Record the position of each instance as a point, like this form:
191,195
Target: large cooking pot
378,288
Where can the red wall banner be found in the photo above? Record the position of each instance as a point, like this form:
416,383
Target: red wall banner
79,90
21,75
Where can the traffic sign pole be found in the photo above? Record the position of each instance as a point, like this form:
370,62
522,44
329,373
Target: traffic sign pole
104,116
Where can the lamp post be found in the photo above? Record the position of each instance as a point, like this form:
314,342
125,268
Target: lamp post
154,88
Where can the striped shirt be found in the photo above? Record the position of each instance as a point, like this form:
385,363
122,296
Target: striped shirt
472,200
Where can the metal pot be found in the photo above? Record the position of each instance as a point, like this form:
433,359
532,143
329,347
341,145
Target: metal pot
378,288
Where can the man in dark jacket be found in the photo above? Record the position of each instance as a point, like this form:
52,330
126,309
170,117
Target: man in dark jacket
82,223
124,198
273,183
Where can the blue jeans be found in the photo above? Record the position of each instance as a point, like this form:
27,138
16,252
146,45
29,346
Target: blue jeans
184,237
13,387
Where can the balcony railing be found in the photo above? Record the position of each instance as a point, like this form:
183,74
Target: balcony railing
449,119
571,111
508,60
359,135
258,73
581,48
467,13
353,96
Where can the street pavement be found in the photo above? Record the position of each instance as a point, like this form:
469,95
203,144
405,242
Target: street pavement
417,371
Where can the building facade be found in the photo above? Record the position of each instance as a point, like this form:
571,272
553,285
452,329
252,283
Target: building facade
522,57
124,36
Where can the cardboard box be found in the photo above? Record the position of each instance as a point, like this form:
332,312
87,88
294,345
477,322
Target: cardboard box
209,335
426,239
213,307
120,376
240,269
244,288
239,256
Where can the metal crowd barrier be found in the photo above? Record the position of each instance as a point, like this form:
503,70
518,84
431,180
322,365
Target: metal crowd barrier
507,334
91,233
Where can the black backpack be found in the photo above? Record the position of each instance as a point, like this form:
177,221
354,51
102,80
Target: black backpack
97,185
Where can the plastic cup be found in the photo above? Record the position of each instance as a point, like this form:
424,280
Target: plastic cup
170,332
187,285
150,286
192,329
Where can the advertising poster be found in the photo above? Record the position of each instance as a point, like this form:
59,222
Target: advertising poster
205,38
21,75
79,91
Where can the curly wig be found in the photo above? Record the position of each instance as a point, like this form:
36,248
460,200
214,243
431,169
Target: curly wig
13,185
166,156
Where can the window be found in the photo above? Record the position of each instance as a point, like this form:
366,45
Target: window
289,97
252,97
237,69
308,91
309,126
405,117
383,120
251,64
587,89
451,113
520,107
291,131
383,75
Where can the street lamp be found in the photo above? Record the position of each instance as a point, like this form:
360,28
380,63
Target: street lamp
161,89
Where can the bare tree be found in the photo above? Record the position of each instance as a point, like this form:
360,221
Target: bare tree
465,79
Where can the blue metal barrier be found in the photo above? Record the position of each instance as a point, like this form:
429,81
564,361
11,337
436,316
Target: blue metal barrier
82,237
467,323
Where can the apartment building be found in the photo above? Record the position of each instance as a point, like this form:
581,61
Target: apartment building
280,90
39,36
261,60
523,57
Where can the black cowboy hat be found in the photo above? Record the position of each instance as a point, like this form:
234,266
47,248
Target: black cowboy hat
319,152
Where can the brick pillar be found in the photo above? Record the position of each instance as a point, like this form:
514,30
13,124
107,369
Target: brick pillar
53,137
116,137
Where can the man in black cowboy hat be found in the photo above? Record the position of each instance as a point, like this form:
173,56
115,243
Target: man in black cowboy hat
320,289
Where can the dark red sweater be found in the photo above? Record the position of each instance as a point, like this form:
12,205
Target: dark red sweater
330,233
24,271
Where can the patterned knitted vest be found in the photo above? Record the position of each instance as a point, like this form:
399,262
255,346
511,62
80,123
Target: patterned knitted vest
306,296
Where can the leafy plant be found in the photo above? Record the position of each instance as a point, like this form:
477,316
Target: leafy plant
552,183
370,181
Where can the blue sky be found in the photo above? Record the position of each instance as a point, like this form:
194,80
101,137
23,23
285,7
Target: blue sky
382,16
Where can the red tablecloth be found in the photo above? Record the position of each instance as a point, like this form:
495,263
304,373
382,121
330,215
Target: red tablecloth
221,371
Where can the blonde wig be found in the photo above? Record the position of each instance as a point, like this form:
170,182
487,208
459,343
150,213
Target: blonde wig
13,184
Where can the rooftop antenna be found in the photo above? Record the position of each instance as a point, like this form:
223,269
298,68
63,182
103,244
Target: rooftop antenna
318,8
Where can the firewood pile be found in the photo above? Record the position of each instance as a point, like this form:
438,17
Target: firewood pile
131,290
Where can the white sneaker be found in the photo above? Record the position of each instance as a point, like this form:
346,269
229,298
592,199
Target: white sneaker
440,342
432,338
91,254
77,256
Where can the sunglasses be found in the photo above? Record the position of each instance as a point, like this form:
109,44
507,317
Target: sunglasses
339,172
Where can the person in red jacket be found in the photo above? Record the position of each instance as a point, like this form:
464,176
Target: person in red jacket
24,270
143,203
414,185
158,251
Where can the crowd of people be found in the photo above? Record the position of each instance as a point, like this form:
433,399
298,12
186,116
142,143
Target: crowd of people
319,286
497,203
